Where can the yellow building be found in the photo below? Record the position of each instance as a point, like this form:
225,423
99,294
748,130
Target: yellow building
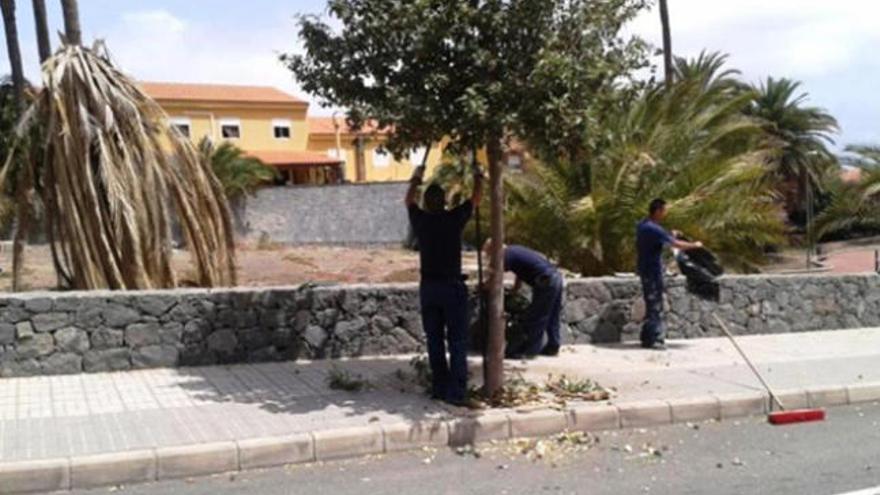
275,127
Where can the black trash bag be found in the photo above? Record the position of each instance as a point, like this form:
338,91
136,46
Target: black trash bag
701,269
515,305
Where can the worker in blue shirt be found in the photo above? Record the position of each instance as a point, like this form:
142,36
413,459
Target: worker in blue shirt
442,292
543,314
651,238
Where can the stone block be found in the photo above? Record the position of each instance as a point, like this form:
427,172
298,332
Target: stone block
537,423
119,316
593,417
89,316
223,341
38,305
72,339
34,476
118,468
155,356
154,305
348,442
48,322
196,460
62,364
695,409
142,334
863,392
107,360
639,414
482,428
41,344
171,333
735,405
260,453
7,333
107,338
24,330
407,436
315,336
833,395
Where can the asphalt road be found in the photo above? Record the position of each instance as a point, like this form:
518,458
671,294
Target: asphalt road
837,456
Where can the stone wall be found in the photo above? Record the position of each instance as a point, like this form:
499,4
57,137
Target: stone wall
342,214
50,333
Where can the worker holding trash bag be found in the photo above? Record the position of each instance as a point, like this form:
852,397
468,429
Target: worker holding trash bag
442,291
651,238
543,314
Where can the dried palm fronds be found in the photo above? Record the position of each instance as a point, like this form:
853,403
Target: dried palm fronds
110,170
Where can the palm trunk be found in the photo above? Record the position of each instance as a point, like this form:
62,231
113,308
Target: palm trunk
21,206
494,365
14,50
71,22
42,24
667,42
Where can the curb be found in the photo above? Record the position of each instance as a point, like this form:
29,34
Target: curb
164,463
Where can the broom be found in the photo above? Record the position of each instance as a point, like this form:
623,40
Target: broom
782,416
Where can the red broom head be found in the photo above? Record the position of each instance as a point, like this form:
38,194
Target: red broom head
796,416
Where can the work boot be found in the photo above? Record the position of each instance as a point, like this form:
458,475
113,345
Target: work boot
550,350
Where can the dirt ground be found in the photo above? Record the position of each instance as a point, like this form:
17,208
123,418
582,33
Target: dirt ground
276,265
261,266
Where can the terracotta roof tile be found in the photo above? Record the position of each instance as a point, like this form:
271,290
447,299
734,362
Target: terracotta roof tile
282,158
325,125
217,92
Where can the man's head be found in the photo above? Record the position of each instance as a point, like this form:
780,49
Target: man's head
435,198
657,209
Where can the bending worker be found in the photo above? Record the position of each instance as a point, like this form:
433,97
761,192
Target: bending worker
542,315
442,292
651,237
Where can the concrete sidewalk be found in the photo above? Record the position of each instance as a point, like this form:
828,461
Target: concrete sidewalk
103,429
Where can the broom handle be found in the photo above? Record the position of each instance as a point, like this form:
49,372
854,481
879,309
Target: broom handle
749,362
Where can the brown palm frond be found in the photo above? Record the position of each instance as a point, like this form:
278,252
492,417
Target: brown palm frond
112,173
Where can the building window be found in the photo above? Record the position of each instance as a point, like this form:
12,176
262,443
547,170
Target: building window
230,129
515,162
182,125
381,158
416,156
281,129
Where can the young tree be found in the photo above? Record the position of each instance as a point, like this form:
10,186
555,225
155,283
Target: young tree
461,71
14,51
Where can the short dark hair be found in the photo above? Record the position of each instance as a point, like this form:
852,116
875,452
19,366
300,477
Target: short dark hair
435,198
656,205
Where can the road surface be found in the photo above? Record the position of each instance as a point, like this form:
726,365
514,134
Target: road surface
840,455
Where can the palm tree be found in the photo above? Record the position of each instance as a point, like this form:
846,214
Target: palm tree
854,205
803,134
72,31
42,24
690,144
667,43
109,172
239,174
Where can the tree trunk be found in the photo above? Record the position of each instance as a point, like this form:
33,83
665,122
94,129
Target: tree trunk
14,50
494,366
667,42
71,22
43,43
21,206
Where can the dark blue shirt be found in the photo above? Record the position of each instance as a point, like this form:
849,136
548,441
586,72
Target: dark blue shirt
439,237
526,264
650,240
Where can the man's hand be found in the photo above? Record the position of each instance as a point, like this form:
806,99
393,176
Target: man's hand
414,182
418,174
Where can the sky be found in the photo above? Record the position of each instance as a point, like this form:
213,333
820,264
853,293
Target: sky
828,45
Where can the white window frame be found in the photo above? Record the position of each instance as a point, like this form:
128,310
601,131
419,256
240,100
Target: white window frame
228,122
385,160
181,122
282,123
